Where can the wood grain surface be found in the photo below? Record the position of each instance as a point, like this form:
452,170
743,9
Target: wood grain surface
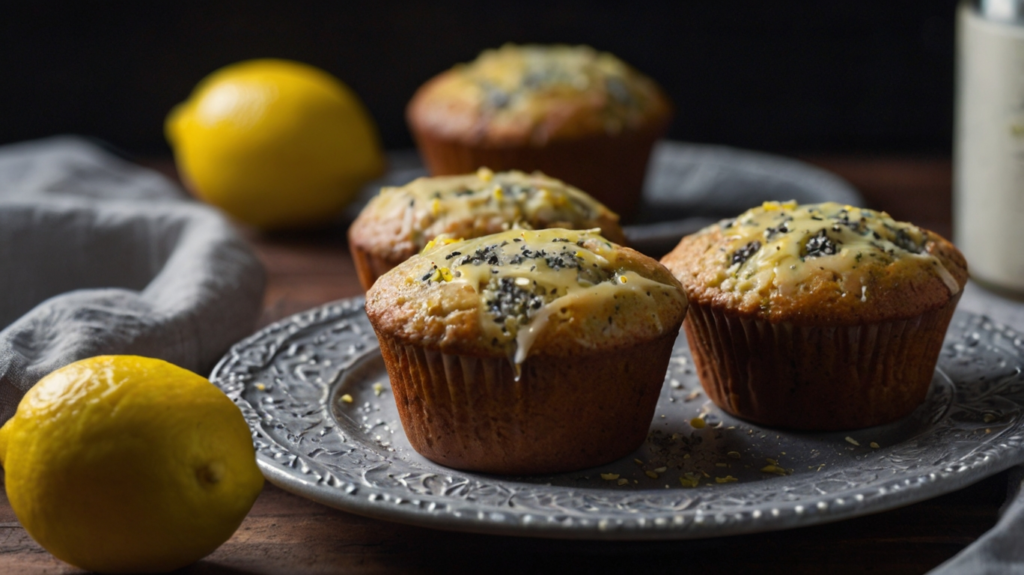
288,534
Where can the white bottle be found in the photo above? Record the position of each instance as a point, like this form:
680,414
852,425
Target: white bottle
988,188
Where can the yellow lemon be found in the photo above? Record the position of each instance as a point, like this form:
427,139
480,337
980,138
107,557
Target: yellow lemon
274,143
128,464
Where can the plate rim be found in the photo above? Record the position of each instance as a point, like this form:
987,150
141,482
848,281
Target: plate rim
366,500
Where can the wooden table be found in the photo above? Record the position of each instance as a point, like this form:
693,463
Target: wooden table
288,534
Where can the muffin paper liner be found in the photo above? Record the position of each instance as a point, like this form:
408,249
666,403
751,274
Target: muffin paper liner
611,168
816,378
563,414
369,267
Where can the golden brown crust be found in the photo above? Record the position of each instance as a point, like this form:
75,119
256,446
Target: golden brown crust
398,223
382,235
446,316
461,122
898,290
458,104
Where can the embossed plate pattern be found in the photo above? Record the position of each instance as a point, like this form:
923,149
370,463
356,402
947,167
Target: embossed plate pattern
315,393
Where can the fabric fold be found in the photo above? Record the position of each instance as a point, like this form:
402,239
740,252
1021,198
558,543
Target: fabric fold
101,256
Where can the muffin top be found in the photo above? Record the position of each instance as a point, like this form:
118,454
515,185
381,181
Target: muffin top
399,222
818,264
518,293
535,94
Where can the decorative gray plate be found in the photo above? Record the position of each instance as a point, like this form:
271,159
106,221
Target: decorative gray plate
688,186
315,393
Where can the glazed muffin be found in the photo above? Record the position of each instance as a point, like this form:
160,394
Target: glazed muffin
569,111
817,317
527,351
399,222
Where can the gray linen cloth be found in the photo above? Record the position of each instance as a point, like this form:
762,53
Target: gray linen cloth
1001,550
100,256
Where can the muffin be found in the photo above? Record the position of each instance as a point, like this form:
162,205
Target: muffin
527,351
818,317
399,222
569,111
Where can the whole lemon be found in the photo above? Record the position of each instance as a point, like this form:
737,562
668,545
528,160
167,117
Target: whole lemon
128,464
274,143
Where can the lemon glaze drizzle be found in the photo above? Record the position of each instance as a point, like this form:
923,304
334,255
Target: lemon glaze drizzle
526,278
513,199
781,244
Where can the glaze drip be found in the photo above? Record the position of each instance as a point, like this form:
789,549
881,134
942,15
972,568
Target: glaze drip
528,278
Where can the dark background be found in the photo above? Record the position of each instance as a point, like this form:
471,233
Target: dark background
790,76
